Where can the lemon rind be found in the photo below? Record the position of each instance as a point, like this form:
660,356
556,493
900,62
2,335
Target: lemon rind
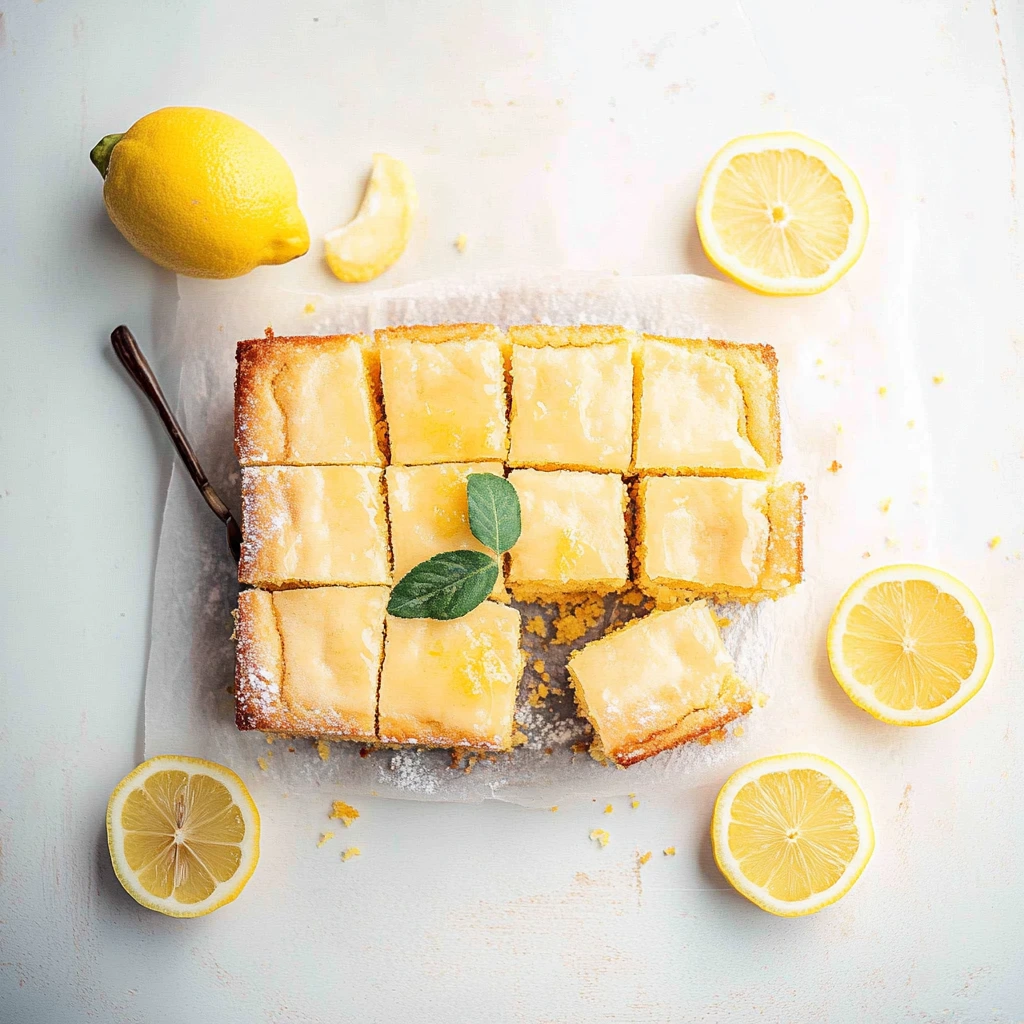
756,894
750,278
226,892
862,695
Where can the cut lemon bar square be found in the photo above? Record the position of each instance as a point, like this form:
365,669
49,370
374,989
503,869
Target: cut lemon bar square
444,393
313,525
726,539
308,401
656,683
572,400
451,683
428,509
308,660
706,408
574,534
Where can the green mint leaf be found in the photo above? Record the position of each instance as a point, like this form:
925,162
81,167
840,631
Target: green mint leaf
446,586
494,514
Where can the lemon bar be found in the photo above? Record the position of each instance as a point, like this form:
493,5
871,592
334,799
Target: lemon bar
308,660
308,401
572,400
444,393
706,408
656,683
451,683
726,539
428,509
313,525
574,534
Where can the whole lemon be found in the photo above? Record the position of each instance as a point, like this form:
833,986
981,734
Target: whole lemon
201,193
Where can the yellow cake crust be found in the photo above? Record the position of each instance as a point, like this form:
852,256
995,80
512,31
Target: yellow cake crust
286,638
632,726
335,378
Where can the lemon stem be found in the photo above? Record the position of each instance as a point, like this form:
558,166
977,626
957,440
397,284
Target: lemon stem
100,153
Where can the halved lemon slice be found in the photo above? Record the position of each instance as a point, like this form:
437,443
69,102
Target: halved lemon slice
910,644
792,833
370,243
184,835
781,214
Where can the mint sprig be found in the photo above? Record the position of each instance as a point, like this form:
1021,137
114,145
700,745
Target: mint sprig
453,583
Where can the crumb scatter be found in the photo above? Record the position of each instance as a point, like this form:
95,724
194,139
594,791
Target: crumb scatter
343,812
600,836
352,851
325,837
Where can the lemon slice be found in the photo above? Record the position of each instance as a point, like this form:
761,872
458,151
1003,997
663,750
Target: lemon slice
184,835
781,214
910,644
792,833
365,247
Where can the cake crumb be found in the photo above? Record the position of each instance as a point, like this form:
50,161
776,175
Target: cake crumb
714,736
461,241
835,467
344,812
352,851
722,621
608,809
910,424
538,666
519,738
324,838
553,809
633,598
546,676
576,616
669,851
542,691
633,802
994,542
839,428
600,836
643,859
323,749
737,730
308,308
884,505
883,391
537,626
891,542
938,378
262,762
867,554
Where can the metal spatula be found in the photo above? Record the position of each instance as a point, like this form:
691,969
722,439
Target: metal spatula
132,359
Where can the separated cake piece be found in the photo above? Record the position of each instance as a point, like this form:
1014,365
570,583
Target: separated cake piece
730,540
313,525
572,399
574,534
451,683
429,512
706,408
444,393
656,683
308,401
308,660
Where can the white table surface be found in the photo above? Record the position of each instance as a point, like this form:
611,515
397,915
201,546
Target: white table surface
504,111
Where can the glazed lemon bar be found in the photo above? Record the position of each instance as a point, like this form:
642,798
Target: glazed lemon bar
308,401
656,683
429,513
308,660
572,398
313,525
726,539
574,534
706,407
451,683
444,393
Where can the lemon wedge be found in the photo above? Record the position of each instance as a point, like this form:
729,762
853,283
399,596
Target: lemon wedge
910,644
781,214
184,835
370,243
792,833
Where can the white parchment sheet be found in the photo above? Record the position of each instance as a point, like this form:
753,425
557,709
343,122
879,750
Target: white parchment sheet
853,431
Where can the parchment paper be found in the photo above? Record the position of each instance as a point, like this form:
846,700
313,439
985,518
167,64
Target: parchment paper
853,431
